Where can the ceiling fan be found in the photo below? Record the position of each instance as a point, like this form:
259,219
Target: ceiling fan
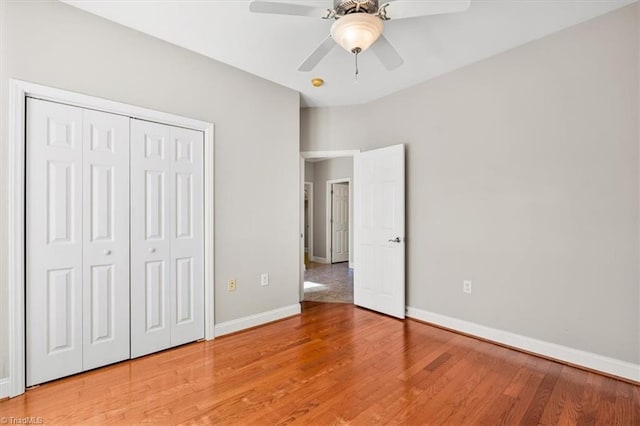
359,24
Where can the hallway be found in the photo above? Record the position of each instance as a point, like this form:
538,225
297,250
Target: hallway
331,283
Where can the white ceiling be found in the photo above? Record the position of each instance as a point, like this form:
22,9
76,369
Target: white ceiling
273,46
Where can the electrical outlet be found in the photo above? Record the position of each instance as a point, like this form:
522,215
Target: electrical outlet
264,279
466,286
232,285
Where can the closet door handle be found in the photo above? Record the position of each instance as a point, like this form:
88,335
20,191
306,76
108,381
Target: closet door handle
107,252
152,250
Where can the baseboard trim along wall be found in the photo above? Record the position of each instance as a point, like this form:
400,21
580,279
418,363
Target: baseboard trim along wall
257,319
319,259
561,353
4,388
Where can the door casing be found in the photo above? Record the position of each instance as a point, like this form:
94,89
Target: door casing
308,155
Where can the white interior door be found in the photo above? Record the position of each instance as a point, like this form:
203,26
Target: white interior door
105,238
54,241
339,222
151,216
187,230
379,275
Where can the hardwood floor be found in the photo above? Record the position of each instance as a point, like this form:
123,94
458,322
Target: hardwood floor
335,364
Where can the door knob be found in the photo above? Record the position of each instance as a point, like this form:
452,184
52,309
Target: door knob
152,250
107,252
396,240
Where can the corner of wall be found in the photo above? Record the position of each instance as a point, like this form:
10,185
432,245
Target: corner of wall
251,321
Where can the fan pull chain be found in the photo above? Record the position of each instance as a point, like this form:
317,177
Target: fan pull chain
355,52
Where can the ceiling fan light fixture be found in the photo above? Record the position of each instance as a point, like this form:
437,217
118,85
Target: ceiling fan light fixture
356,32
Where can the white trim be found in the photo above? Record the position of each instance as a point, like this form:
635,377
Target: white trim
106,105
589,360
329,154
209,233
329,215
257,319
19,90
302,266
4,388
16,261
310,236
319,259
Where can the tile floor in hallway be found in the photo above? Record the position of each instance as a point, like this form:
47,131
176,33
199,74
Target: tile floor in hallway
331,283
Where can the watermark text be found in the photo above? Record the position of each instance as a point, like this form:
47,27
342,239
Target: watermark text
21,420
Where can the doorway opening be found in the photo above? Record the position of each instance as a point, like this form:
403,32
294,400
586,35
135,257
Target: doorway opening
326,225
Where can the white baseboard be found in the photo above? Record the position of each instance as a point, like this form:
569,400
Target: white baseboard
4,387
319,259
577,357
257,319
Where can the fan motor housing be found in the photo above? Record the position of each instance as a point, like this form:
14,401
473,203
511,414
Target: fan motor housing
345,7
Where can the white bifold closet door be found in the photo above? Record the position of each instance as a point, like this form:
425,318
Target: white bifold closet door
167,245
77,218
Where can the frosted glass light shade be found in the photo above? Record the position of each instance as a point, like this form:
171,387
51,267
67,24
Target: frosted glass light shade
357,31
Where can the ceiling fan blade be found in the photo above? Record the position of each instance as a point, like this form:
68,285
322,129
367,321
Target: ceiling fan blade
316,56
287,9
399,9
387,54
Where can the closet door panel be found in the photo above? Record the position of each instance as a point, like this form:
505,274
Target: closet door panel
187,244
105,238
151,216
54,241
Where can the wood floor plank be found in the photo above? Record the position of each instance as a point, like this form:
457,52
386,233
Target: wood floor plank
335,364
541,398
627,409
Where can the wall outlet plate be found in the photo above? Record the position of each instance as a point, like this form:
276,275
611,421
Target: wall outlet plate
264,279
232,285
466,286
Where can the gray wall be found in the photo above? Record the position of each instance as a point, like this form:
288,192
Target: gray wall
334,168
255,218
522,176
309,171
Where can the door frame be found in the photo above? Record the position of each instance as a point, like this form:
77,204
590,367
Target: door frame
308,155
329,216
18,92
310,217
